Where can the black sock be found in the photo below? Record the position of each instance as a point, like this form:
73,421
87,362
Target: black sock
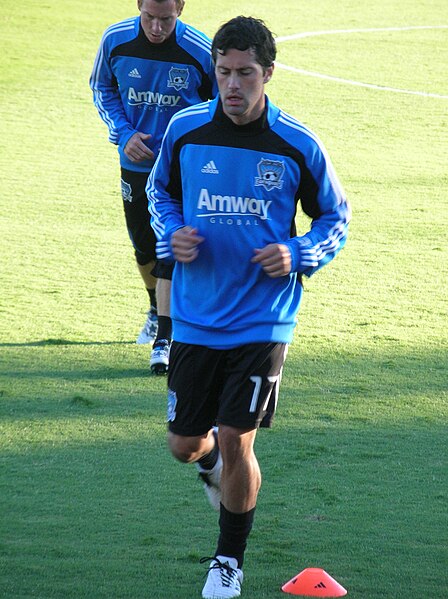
165,328
152,299
235,529
209,460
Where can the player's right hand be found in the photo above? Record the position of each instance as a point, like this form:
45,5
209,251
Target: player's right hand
184,244
136,149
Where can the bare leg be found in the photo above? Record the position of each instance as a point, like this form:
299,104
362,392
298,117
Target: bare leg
145,273
241,477
240,483
163,291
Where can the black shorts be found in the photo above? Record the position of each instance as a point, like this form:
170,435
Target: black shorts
135,204
234,387
163,270
141,234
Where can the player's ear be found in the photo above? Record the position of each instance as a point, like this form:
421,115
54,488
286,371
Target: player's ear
268,73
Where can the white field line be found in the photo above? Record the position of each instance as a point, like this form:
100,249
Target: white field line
304,34
296,36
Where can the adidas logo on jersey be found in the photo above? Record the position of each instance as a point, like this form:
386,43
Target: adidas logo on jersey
134,73
210,168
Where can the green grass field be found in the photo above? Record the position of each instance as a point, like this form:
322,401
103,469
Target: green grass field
355,469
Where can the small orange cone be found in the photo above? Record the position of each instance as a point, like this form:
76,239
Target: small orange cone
314,582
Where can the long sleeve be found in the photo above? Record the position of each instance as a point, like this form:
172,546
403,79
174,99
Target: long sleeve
164,193
323,199
322,243
106,96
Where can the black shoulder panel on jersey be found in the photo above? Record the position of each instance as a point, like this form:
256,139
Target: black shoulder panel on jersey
170,51
216,133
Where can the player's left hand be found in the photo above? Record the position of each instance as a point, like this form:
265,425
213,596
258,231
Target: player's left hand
136,149
274,259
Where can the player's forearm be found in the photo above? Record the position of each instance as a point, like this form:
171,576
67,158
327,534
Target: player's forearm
326,238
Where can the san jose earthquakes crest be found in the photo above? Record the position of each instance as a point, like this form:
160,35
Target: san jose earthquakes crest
270,173
126,191
178,78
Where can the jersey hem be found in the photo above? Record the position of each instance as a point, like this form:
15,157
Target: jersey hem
227,339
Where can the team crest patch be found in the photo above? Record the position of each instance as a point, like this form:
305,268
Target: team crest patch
171,408
270,173
126,191
178,78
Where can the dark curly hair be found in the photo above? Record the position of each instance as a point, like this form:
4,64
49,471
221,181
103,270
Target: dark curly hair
242,33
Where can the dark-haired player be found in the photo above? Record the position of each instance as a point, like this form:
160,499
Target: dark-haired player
223,198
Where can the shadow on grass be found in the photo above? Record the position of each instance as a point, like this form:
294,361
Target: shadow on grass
81,374
354,477
52,378
52,342
120,518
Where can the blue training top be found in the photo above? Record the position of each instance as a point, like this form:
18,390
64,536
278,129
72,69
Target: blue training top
239,186
139,86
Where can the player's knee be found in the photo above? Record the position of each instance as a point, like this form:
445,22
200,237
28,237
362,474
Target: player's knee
185,449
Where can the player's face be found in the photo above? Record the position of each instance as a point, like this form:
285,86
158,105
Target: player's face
241,81
158,19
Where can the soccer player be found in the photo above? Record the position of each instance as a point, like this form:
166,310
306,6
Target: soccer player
223,198
148,68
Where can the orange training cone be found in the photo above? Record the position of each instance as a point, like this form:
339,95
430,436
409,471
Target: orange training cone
314,582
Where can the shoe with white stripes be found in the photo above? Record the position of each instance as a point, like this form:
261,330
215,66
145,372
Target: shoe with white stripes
224,578
149,330
160,356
